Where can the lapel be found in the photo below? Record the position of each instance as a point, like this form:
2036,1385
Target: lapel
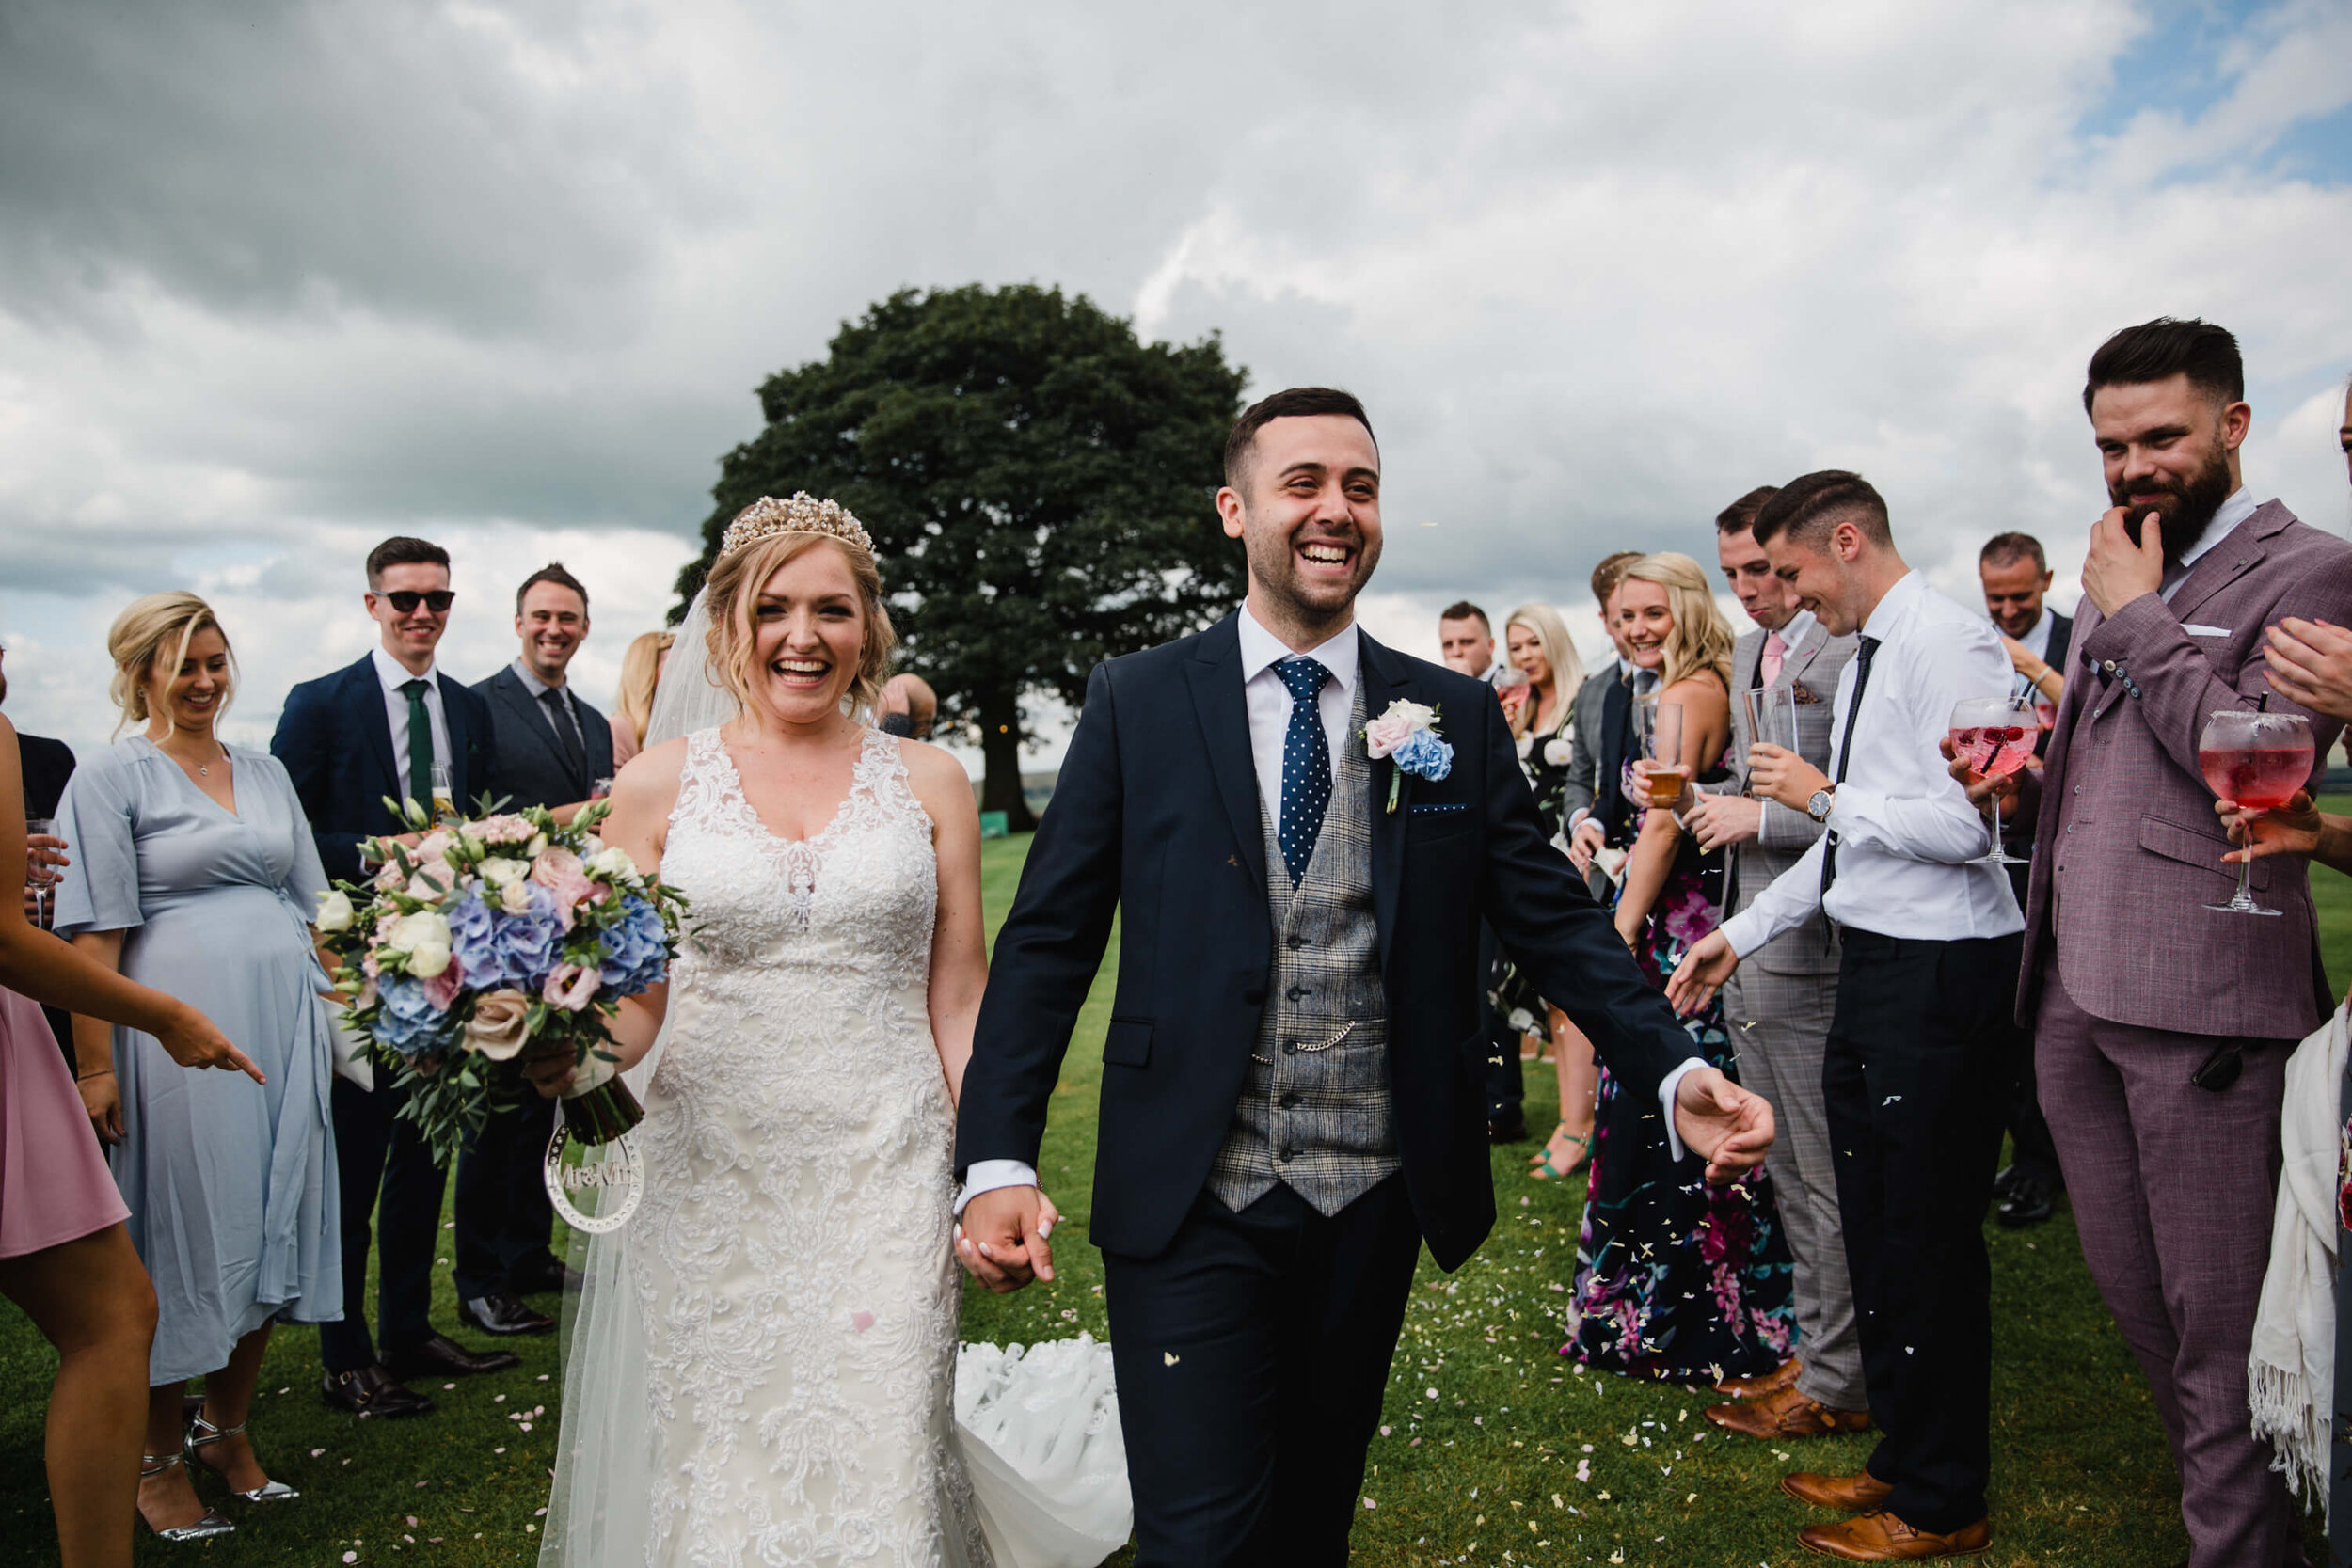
532,718
1385,681
1793,668
364,694
1614,712
1214,672
2230,558
2061,642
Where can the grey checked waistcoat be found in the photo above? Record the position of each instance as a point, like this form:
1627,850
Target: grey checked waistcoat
1314,1112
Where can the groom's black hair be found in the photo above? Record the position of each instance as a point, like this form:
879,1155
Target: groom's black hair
1293,402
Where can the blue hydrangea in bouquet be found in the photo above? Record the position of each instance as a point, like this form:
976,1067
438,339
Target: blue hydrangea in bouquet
488,936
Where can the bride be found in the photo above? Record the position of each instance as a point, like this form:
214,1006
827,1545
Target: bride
764,1365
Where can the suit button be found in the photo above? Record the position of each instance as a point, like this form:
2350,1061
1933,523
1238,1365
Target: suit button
1254,995
1290,1048
1290,1103
1287,1155
1297,942
1296,992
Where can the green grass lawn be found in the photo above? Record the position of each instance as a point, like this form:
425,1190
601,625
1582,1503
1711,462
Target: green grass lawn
1483,1471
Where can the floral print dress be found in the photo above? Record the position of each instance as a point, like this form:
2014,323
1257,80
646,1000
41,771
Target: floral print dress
1544,757
1676,1279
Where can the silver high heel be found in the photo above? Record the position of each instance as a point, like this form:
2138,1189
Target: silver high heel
213,1522
202,1433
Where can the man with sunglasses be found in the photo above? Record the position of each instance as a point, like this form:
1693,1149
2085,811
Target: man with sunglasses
384,727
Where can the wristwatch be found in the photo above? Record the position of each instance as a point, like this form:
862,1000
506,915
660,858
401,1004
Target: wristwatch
1816,805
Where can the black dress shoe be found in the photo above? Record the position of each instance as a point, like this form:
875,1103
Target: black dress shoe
1512,1132
548,1276
2029,1202
2001,1181
438,1357
503,1315
371,1391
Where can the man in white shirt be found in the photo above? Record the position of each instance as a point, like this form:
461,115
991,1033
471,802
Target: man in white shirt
1913,1061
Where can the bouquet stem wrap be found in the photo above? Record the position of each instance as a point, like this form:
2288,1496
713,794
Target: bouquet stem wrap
598,1107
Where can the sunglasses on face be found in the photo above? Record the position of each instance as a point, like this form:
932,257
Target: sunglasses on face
405,600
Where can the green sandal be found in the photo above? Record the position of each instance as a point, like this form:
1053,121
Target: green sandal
1542,1170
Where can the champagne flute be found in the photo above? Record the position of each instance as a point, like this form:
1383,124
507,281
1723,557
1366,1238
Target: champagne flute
2259,760
1996,735
42,878
444,794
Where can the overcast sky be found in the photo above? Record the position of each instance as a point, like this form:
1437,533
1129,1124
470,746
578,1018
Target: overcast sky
276,280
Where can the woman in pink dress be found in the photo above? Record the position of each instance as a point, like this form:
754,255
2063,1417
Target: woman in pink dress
65,1256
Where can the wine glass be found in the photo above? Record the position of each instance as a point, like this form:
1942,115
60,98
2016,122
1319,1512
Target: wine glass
1996,737
2259,760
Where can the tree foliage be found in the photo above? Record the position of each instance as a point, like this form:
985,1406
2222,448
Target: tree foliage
1038,482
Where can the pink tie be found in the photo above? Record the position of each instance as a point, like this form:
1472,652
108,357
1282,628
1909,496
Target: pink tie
1774,652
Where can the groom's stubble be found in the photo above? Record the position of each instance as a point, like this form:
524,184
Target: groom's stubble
1309,492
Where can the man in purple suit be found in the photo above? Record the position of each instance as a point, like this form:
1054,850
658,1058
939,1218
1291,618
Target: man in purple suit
2162,1024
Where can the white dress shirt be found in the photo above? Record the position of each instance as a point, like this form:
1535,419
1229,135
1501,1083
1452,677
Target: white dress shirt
2037,638
1269,703
539,690
394,676
2240,505
1909,844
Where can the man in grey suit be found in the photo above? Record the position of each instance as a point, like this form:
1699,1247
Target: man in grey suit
547,748
1784,996
1583,789
2162,1023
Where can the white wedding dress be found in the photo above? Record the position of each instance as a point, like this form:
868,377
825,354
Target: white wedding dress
764,1365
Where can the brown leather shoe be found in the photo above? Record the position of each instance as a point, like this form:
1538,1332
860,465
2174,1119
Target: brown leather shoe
1782,1376
1883,1538
1786,1414
1856,1493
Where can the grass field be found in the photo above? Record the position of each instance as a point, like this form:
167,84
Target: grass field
1487,1427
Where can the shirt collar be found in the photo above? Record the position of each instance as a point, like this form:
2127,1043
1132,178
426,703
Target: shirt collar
2236,510
1261,650
532,683
394,676
1880,624
2036,635
1799,626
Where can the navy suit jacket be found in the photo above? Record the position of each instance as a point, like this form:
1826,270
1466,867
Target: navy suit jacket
336,741
1156,817
527,764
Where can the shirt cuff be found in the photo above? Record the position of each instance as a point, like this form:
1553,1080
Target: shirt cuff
1575,819
986,1176
1666,1088
1743,932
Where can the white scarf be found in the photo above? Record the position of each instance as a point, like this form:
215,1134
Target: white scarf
2291,1375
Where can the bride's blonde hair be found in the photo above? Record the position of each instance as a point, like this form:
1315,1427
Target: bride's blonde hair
733,593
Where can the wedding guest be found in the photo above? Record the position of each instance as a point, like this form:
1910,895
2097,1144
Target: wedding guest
1784,999
640,675
46,766
909,707
381,728
2015,574
1928,942
548,747
1466,644
1581,792
66,1256
194,872
2161,1025
1676,1279
1543,726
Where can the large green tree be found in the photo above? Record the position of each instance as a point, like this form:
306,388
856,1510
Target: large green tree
1039,485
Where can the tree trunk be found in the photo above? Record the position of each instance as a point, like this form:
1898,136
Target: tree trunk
1000,754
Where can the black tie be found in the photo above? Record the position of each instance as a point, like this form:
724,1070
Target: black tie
1845,750
566,734
419,746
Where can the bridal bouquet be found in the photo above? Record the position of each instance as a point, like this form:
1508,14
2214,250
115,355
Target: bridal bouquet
488,936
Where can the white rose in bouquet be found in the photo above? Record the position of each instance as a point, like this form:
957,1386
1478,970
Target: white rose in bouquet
335,911
424,937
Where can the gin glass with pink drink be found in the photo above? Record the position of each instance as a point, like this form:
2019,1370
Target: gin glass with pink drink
2258,760
1995,736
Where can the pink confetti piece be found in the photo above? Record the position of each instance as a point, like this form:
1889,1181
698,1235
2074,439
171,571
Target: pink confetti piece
861,1321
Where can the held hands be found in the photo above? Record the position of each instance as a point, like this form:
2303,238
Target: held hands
1778,774
2310,663
1001,1241
2118,571
1718,1118
2289,830
1720,819
1700,976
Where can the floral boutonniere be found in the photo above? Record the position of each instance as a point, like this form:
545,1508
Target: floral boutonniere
1408,735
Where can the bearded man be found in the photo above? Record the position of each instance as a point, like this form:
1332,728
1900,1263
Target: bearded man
2163,1023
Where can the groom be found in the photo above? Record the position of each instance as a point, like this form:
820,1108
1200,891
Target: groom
1294,1079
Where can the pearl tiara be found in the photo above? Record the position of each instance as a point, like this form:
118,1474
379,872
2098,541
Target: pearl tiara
767,517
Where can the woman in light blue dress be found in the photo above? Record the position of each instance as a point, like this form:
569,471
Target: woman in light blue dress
194,871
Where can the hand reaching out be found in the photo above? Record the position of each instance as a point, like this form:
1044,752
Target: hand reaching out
1701,974
1002,1239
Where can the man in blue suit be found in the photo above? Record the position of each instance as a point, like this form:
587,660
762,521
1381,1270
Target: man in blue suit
1294,1079
547,748
391,725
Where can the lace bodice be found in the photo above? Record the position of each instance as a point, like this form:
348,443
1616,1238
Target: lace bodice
792,1258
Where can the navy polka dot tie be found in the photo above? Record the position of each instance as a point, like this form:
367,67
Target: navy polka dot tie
1306,764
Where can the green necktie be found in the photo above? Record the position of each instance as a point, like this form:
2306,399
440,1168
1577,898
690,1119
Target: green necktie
419,746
